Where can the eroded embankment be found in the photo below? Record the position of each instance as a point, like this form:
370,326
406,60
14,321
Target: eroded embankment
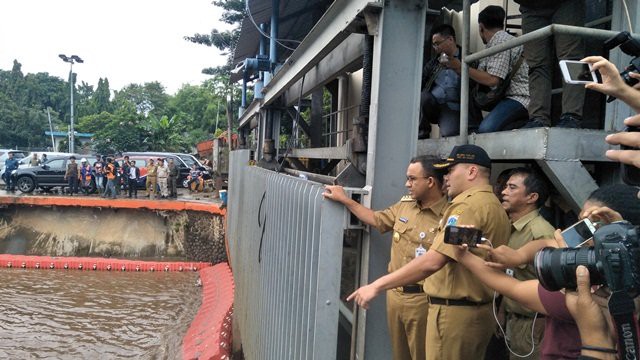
123,233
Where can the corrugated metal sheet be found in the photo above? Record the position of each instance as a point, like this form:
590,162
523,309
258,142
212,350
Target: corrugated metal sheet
286,249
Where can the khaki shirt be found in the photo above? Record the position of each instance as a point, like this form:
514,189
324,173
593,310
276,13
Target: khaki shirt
530,227
479,207
412,227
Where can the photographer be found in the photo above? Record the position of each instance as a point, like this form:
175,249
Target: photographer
592,323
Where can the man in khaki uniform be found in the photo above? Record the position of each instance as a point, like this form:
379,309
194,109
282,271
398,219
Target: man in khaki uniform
460,321
414,220
524,194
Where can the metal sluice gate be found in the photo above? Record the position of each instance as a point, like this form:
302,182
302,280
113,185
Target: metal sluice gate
286,251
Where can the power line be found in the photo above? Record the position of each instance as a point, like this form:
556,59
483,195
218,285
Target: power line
264,34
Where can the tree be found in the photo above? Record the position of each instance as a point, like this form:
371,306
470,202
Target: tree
102,97
165,134
233,13
148,98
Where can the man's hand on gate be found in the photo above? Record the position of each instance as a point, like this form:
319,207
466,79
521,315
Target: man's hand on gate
364,295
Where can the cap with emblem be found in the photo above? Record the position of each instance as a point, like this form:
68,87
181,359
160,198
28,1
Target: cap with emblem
467,154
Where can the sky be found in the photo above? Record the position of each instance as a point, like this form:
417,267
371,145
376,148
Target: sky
126,41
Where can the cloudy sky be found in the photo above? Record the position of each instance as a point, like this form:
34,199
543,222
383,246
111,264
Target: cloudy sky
126,41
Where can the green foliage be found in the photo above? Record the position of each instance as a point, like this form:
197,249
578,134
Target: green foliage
139,117
226,40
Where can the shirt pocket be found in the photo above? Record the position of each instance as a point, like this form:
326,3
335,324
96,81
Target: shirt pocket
400,229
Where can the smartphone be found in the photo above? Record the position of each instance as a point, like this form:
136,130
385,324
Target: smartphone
578,233
577,72
456,235
630,173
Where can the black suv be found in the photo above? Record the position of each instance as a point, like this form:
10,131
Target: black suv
48,175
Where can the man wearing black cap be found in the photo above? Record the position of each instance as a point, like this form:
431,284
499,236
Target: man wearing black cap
460,321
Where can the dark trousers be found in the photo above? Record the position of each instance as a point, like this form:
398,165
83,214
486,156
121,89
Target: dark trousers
73,184
133,187
173,186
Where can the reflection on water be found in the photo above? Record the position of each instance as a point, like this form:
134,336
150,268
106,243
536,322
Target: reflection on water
94,315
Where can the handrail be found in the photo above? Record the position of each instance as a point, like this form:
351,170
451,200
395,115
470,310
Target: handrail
553,29
544,32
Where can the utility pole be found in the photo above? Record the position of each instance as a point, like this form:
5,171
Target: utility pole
71,60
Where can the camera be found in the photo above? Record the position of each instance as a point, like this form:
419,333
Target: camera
614,261
629,46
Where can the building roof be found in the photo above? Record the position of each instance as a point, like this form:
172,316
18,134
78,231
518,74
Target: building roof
297,18
65,134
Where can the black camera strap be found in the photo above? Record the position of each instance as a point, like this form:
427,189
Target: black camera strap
622,311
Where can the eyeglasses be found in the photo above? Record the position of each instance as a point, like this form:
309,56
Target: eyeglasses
412,179
436,44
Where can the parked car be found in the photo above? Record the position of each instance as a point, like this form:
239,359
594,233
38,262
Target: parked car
182,161
26,161
47,175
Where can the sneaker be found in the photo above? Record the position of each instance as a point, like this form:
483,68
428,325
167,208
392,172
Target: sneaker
571,121
535,123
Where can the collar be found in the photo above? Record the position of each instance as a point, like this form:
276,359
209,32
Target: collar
523,221
437,207
499,35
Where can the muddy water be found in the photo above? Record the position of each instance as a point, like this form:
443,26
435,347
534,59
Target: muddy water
94,315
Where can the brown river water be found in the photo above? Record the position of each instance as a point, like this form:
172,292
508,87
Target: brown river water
57,314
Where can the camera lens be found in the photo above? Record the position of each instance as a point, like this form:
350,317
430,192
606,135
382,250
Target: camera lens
556,268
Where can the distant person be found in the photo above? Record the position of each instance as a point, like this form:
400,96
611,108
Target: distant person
44,158
10,164
126,164
195,176
152,179
173,179
133,176
110,171
34,160
86,174
98,174
72,175
163,174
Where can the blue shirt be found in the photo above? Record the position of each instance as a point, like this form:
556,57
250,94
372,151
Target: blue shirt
10,165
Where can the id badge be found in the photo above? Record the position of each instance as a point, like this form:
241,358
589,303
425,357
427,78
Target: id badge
420,250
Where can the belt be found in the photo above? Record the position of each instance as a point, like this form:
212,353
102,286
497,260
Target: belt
411,289
454,302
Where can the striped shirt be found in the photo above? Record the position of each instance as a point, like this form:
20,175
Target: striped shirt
500,65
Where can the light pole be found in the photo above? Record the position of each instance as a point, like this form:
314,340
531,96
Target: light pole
71,60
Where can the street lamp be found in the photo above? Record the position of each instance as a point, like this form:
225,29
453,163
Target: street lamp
71,60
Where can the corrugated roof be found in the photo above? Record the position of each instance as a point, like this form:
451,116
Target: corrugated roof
297,17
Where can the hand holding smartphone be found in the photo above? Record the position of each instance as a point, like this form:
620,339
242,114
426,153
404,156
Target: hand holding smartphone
578,233
456,235
577,72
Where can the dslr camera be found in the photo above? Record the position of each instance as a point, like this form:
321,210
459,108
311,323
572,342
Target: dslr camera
629,46
614,261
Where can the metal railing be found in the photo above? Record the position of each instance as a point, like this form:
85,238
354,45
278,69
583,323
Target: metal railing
542,33
285,242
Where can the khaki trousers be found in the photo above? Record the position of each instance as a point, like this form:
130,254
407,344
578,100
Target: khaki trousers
407,321
459,332
151,186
